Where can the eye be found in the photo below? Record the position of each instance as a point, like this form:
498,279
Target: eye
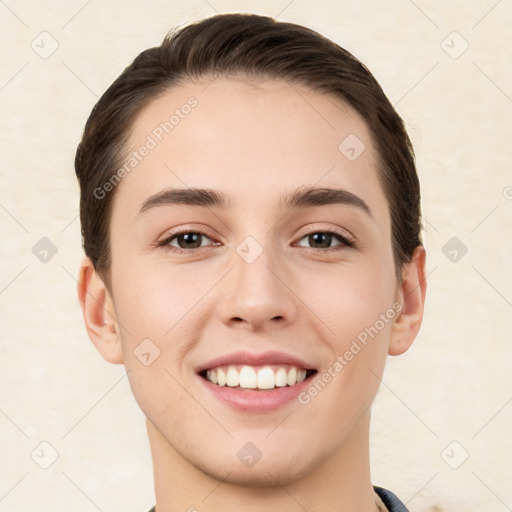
186,240
325,240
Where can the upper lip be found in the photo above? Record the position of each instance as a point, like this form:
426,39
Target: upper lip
253,359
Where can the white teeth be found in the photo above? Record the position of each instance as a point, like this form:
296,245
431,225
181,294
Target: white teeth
248,378
221,377
251,378
266,379
292,376
232,377
281,378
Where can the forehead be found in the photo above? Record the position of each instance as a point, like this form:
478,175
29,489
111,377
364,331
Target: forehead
251,139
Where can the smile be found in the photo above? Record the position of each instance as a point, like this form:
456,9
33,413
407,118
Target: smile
256,382
265,377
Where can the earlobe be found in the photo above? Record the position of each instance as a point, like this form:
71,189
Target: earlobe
411,296
98,312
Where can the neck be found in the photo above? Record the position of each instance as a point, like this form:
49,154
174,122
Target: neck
340,482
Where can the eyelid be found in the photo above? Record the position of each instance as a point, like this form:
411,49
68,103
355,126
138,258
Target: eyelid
165,242
346,237
336,230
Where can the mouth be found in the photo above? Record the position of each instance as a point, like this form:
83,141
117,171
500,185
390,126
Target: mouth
257,378
251,382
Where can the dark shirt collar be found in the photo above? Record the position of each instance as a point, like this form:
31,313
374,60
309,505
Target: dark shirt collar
393,504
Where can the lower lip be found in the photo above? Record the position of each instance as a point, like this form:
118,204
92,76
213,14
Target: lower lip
250,400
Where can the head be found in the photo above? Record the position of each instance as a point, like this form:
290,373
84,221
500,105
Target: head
259,124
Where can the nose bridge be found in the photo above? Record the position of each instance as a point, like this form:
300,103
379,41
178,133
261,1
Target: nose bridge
257,296
255,270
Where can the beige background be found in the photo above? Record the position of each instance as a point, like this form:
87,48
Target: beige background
454,384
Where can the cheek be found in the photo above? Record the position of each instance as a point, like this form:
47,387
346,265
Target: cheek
163,311
357,306
155,300
348,299
161,321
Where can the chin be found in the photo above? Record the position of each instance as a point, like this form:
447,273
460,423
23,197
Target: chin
262,474
260,478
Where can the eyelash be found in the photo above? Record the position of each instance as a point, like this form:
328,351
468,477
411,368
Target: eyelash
165,243
343,237
345,240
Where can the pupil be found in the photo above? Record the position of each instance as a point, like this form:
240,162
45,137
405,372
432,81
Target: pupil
320,239
188,240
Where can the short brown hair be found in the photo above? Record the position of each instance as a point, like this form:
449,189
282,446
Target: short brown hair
257,47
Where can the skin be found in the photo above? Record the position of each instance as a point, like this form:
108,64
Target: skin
255,142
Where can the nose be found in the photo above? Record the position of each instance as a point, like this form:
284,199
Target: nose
258,295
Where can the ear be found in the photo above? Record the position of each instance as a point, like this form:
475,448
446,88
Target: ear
99,314
411,295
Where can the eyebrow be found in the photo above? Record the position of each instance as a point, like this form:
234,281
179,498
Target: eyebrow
310,196
186,196
207,198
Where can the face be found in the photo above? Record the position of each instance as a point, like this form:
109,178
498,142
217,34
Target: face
263,275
